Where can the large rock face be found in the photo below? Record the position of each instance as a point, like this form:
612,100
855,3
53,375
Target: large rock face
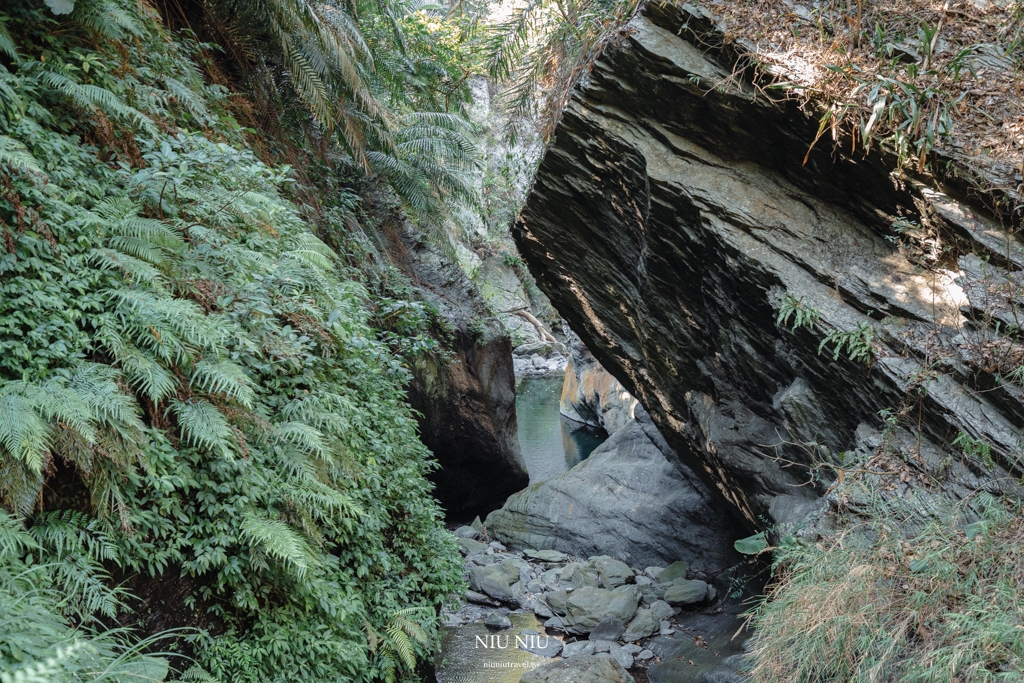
468,407
590,394
672,219
631,499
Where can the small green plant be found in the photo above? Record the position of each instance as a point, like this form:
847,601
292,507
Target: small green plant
802,315
476,329
975,448
856,343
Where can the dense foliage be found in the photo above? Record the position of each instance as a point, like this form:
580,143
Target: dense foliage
190,391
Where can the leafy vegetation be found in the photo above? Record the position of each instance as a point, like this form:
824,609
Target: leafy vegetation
190,389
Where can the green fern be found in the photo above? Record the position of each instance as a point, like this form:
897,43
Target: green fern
203,426
15,155
280,541
224,377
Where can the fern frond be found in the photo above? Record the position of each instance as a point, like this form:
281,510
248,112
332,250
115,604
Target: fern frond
202,425
280,541
226,378
142,372
15,155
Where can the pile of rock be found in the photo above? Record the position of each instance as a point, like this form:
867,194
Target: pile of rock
540,359
597,606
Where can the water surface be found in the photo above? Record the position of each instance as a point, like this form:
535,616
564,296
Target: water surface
550,443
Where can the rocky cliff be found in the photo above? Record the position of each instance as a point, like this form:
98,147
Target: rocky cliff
467,407
673,219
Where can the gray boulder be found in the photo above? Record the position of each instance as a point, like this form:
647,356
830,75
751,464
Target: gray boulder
588,606
686,592
611,572
609,629
600,668
468,532
676,570
497,621
632,500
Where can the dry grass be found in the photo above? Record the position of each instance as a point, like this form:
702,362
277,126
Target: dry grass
908,596
947,72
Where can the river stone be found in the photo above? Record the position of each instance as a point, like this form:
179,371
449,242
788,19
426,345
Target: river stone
480,599
557,601
676,570
611,572
468,545
644,624
686,592
545,555
467,532
478,524
589,606
497,621
609,629
492,581
631,499
580,647
545,646
580,669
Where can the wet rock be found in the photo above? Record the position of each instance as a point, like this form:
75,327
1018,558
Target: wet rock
589,606
580,669
609,629
631,500
497,621
493,580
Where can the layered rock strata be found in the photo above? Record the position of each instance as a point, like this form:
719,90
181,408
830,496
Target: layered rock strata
695,220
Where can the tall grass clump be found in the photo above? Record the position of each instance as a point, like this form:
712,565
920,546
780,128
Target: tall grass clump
915,591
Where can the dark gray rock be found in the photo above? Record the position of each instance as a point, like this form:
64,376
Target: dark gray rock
686,592
580,669
609,629
467,407
693,216
631,499
497,621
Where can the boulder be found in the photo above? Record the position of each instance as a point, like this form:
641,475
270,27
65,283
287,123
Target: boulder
468,545
600,668
686,592
676,570
609,629
497,621
611,572
493,580
589,606
631,499
545,555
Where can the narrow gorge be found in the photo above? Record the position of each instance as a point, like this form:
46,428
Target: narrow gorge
561,341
